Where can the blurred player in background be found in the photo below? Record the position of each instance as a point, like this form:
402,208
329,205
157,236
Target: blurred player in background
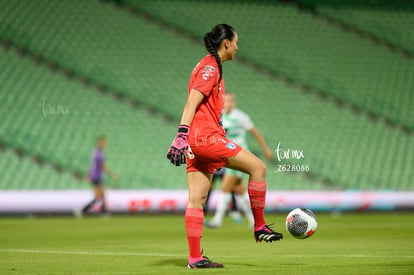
237,124
95,176
201,143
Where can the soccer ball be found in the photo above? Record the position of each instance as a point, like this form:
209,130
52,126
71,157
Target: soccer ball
301,223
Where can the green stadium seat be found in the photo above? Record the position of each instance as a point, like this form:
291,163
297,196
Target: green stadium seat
293,43
152,64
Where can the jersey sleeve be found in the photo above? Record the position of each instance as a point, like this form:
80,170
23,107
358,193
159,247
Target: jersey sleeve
246,121
205,79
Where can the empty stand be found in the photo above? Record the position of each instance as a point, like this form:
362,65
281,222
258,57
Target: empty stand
285,40
46,113
393,24
137,141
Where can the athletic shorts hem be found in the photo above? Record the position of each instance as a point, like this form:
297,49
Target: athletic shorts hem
96,182
211,154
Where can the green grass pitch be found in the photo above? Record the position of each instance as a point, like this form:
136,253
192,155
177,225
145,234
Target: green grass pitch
363,243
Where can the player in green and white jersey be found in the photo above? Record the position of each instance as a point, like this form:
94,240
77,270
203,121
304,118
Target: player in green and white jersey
237,124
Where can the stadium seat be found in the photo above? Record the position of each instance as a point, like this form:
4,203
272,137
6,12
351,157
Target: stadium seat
151,63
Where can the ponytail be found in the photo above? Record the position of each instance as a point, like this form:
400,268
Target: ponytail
213,39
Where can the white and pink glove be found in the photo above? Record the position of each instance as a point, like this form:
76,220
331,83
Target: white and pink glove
179,147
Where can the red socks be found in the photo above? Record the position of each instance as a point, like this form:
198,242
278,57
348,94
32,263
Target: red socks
257,194
194,219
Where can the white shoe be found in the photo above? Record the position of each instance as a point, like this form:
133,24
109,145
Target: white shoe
236,216
212,224
77,213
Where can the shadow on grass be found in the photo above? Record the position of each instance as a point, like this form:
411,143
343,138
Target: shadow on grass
183,263
240,264
171,262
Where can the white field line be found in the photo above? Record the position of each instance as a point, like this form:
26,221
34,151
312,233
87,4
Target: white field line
103,253
38,251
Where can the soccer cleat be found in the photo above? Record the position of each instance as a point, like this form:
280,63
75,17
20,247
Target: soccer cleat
267,234
204,263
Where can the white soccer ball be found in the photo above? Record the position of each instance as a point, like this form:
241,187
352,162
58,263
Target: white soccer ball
301,223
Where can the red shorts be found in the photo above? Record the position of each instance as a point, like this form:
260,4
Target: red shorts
211,153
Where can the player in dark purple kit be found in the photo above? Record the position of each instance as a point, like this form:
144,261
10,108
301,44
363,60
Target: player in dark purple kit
95,176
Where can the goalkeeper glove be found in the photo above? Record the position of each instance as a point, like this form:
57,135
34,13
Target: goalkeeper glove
179,147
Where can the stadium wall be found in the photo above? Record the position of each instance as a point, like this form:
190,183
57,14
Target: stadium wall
174,201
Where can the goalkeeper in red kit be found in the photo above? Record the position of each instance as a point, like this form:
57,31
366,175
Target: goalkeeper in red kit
202,145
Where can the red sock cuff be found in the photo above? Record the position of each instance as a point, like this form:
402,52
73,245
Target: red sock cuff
259,186
194,219
194,212
257,194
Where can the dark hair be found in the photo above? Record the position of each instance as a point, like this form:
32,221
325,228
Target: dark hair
212,41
